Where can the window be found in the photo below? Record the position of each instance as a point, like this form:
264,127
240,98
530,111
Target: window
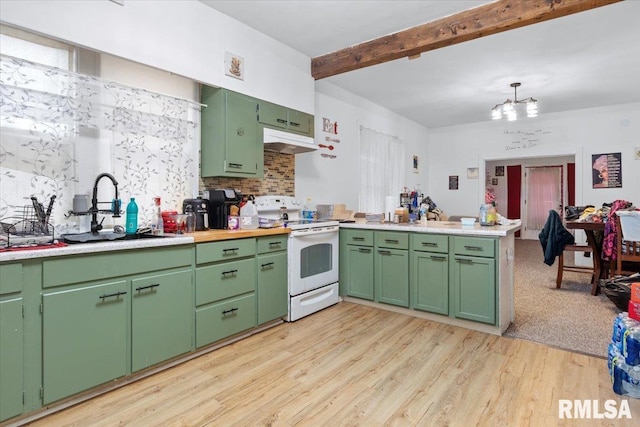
382,169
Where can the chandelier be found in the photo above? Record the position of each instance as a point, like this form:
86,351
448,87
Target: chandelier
508,108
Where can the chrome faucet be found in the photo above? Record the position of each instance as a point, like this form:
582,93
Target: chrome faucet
115,208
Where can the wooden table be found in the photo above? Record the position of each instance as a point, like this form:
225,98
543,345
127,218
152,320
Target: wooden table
599,265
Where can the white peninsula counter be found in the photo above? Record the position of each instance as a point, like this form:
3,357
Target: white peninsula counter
441,271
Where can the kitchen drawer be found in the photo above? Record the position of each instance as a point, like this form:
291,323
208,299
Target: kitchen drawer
225,280
272,244
224,319
85,268
10,278
474,246
391,239
430,242
357,237
225,250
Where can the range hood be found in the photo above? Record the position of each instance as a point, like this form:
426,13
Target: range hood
286,142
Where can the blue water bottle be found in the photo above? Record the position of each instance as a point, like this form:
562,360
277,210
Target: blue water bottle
132,217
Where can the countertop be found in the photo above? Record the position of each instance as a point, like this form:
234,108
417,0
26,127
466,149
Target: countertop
171,240
440,227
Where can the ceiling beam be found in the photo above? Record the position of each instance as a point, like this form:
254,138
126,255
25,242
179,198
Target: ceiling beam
481,21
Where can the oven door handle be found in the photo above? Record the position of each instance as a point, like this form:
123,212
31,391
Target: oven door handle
314,231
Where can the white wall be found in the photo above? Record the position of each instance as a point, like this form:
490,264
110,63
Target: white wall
184,37
580,132
332,181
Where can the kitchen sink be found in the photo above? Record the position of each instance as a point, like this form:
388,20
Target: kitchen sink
107,236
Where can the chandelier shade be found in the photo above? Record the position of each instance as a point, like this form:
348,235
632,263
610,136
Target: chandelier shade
509,108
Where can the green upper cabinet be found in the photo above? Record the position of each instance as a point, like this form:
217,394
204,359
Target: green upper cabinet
230,142
280,117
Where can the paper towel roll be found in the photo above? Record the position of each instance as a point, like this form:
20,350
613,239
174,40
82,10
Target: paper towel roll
390,204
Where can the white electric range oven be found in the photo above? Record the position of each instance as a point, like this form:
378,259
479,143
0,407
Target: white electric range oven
312,256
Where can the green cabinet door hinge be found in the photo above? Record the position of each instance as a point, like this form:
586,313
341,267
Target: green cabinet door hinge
41,393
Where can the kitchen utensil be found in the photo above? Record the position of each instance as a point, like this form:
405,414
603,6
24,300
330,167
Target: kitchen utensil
330,147
328,156
47,215
40,215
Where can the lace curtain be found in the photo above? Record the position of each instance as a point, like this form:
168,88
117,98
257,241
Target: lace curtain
60,129
382,169
543,194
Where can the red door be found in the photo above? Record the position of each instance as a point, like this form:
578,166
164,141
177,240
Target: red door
514,192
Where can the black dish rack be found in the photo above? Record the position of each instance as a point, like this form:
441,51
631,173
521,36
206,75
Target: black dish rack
26,228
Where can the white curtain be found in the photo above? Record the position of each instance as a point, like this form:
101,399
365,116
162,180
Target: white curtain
52,121
543,194
382,169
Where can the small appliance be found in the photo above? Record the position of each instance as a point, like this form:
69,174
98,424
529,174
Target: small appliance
200,208
220,202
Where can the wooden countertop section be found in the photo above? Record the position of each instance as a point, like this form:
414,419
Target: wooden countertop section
214,235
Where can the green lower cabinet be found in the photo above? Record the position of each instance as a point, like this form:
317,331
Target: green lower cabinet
392,276
11,358
161,318
473,282
84,338
272,287
225,318
358,271
430,282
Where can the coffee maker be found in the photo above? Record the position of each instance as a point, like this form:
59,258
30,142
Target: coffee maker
220,201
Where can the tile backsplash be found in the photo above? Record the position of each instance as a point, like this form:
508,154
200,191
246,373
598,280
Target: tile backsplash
279,178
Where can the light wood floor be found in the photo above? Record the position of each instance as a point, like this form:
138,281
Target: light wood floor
360,366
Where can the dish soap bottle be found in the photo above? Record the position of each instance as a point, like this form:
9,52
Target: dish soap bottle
249,215
132,217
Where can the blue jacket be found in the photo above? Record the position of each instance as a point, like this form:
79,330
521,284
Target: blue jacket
554,237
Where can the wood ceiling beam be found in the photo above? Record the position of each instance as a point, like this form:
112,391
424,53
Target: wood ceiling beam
481,21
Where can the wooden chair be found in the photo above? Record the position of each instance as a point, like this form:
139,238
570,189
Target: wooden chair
628,252
574,268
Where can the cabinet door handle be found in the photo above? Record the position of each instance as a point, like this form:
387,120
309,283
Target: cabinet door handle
281,121
294,124
275,244
235,165
365,250
430,244
384,252
438,258
391,241
464,261
224,273
142,288
473,248
269,264
358,239
224,251
230,311
117,294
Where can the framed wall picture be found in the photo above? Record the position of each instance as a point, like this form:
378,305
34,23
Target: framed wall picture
494,181
499,170
415,164
453,182
472,173
234,65
607,170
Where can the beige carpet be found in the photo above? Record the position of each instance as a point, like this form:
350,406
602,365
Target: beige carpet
569,317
